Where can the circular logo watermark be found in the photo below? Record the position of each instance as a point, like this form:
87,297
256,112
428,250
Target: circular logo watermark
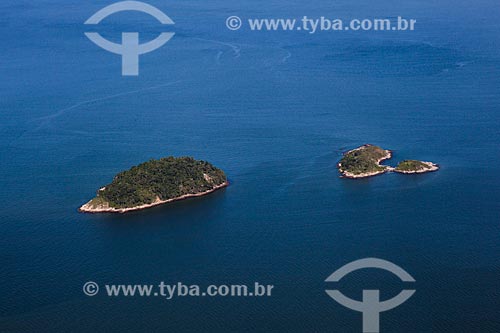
130,49
371,306
90,288
234,23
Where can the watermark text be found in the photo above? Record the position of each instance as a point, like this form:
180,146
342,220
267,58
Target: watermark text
321,24
170,291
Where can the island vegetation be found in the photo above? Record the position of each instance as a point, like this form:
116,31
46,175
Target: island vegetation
156,182
365,162
413,166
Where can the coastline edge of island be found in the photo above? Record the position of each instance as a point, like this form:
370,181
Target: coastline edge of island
346,174
86,208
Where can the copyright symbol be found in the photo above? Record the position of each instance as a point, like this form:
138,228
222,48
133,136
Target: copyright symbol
233,23
90,288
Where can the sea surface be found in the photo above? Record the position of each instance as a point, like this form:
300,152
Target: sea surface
275,110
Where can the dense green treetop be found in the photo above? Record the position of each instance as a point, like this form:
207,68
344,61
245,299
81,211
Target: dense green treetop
412,165
363,160
162,179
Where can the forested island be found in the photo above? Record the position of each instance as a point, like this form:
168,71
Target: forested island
413,166
156,182
365,161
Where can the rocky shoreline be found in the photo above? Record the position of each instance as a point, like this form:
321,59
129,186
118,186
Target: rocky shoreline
89,208
419,166
432,167
347,174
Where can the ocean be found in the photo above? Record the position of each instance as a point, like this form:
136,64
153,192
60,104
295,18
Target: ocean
274,110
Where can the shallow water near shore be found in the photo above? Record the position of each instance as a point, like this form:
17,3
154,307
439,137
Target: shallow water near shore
275,111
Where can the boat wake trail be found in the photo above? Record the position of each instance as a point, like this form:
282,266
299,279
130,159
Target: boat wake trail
45,121
234,48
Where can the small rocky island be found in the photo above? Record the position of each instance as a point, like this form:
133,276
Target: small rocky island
413,166
365,162
157,182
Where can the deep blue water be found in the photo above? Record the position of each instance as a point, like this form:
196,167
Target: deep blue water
274,110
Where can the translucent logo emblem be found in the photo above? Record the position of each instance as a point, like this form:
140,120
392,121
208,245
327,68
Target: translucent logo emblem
371,306
129,49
